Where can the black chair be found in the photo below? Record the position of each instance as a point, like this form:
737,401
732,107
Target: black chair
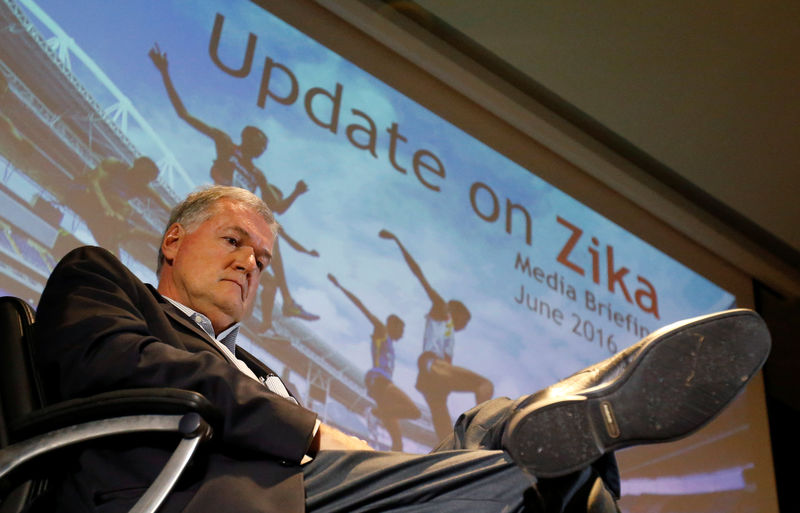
32,431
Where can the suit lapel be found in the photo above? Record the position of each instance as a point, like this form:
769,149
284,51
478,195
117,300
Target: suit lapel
180,319
260,369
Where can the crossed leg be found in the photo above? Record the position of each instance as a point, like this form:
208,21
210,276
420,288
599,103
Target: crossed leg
466,472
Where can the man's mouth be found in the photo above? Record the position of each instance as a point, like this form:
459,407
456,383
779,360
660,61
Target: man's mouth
242,288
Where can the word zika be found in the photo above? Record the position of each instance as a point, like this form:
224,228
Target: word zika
645,297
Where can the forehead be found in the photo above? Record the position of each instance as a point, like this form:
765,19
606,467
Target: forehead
228,214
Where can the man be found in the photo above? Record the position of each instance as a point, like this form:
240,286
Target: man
100,328
437,376
391,403
234,166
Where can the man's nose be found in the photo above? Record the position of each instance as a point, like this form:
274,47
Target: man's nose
246,259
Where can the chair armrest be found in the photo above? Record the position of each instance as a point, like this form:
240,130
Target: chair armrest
115,413
138,401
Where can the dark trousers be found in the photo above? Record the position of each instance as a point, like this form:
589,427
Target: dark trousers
467,472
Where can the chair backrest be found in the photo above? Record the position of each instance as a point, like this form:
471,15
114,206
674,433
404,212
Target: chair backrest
26,488
20,392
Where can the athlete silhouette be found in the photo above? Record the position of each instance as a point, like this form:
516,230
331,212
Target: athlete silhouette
111,185
437,375
234,165
101,196
392,404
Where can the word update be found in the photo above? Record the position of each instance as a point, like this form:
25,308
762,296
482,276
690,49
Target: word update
323,107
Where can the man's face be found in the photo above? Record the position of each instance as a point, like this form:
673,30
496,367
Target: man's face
215,268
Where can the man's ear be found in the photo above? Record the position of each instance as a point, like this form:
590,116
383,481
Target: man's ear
173,238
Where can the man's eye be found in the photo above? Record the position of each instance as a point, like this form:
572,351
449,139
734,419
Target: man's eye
232,241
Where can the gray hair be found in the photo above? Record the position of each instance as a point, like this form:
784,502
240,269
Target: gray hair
200,205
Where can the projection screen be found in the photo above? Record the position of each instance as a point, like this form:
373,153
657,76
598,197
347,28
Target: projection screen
112,112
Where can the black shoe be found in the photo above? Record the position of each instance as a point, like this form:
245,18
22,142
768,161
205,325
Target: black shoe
664,387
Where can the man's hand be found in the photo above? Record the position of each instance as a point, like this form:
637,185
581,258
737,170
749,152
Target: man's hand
330,438
159,58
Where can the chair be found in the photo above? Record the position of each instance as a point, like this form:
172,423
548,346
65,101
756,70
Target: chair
31,431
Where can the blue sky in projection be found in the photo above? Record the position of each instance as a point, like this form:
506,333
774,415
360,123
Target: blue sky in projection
353,195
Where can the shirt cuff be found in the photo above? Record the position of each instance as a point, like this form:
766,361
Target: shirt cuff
307,457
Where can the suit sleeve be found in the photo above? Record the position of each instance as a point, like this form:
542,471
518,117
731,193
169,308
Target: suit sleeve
99,329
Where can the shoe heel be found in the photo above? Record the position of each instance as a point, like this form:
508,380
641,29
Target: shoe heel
549,441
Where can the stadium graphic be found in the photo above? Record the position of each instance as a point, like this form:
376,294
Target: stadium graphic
54,133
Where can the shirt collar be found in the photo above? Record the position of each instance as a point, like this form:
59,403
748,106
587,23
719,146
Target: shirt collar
227,337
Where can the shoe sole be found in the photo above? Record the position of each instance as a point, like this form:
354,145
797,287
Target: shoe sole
678,382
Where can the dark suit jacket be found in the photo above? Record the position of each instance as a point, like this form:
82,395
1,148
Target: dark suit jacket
99,328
